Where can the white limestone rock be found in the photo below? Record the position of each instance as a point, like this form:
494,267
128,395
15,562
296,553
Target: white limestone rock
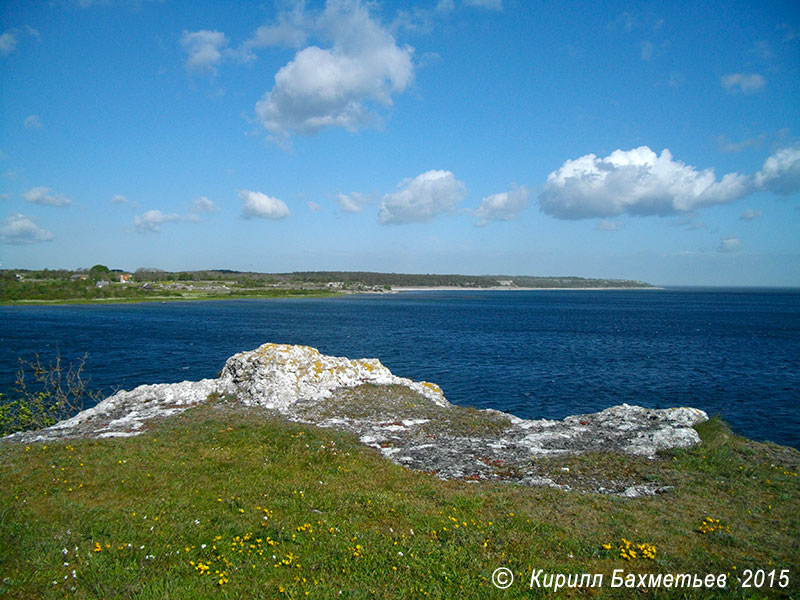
126,412
276,376
410,423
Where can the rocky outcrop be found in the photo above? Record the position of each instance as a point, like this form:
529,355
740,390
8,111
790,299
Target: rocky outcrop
410,423
276,376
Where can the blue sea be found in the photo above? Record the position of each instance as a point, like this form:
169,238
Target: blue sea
536,354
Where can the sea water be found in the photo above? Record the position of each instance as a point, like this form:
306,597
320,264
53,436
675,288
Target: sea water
536,354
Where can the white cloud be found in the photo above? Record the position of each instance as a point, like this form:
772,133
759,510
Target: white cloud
256,205
351,203
504,206
291,31
421,199
46,196
636,182
751,214
10,38
33,122
490,4
19,229
337,86
725,145
204,49
781,172
204,205
121,200
688,221
647,51
762,50
133,4
313,206
729,244
744,83
626,22
606,225
790,32
8,41
152,220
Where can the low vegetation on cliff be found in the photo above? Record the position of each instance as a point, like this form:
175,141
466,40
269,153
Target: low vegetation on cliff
101,284
224,501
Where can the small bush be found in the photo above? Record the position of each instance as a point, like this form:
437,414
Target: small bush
45,394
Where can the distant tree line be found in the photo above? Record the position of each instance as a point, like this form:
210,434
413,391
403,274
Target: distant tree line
62,284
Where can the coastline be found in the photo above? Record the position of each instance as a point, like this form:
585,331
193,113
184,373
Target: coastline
163,299
315,294
515,289
291,455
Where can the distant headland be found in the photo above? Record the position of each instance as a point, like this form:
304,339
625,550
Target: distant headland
101,284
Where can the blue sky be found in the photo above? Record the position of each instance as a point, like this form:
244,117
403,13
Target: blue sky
652,140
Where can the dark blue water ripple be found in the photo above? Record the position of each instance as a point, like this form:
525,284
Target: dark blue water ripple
535,354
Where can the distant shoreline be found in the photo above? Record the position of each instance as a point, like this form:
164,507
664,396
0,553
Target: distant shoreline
163,299
513,289
319,294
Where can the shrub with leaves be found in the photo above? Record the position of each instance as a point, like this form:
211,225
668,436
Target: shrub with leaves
45,394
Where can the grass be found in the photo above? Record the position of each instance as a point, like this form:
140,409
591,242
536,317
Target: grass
395,403
225,502
182,296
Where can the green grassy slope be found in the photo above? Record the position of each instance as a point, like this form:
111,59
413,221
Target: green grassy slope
221,502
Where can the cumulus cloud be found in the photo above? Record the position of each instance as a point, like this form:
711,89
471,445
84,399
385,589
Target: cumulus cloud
45,196
121,200
204,205
204,50
152,220
636,182
313,206
256,205
33,122
751,214
339,86
729,244
504,206
8,41
421,199
19,230
351,203
744,83
781,172
291,31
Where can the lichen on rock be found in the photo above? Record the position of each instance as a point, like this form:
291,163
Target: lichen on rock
276,376
408,422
